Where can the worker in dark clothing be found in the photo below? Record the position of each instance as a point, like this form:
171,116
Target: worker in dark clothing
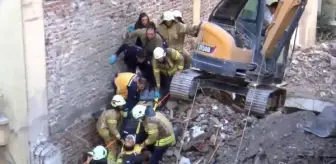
130,53
134,57
129,85
132,153
143,22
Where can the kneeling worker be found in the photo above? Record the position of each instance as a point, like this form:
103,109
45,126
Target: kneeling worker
160,131
108,123
166,63
129,86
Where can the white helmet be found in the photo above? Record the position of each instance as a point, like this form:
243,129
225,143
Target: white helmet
98,153
139,111
168,16
269,2
118,100
159,53
177,13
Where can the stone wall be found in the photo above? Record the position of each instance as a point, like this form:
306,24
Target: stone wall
80,36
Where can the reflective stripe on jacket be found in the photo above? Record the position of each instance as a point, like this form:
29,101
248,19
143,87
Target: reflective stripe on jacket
175,35
160,131
173,62
133,156
110,119
122,81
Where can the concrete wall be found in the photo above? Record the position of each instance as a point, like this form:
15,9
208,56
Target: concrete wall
13,83
80,36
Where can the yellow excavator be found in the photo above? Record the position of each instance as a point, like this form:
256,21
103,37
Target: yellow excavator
237,54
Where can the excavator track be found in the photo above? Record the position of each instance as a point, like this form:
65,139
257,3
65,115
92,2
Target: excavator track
263,99
184,85
259,100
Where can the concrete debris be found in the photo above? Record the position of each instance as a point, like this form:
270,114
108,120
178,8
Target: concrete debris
210,122
216,124
185,160
196,131
313,70
171,105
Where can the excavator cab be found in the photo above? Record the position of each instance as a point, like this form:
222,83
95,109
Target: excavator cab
235,48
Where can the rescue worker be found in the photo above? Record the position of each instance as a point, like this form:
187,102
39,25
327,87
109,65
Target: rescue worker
174,33
129,86
108,123
142,22
132,153
178,16
133,56
136,61
160,131
97,156
166,63
270,9
149,39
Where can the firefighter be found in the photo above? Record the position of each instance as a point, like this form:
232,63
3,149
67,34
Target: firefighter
166,63
160,131
97,156
131,152
129,86
174,33
108,123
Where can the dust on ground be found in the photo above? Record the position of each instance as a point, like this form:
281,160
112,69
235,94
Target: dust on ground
278,138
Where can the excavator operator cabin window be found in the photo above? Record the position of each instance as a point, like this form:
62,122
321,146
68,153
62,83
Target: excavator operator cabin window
247,18
250,11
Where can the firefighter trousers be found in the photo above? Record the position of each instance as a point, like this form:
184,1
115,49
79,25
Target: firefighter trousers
112,144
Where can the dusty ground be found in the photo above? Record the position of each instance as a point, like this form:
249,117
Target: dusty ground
280,136
276,139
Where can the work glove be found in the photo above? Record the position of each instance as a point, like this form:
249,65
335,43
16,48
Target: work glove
118,136
130,28
157,94
112,59
143,145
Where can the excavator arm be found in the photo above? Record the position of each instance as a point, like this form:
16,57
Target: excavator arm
279,34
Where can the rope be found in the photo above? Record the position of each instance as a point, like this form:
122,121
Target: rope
187,124
248,114
249,111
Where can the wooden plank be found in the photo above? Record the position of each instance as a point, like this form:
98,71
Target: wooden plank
196,11
307,26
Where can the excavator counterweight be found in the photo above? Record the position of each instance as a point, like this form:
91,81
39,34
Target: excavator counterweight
236,52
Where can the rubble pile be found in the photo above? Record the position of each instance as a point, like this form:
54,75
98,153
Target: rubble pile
210,123
314,70
215,130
